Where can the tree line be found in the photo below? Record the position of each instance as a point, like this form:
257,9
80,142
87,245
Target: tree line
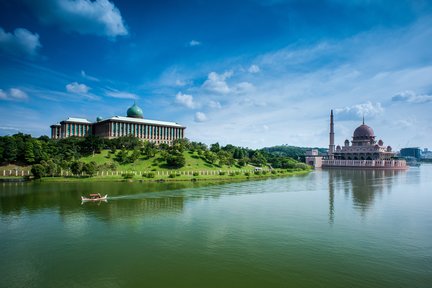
48,156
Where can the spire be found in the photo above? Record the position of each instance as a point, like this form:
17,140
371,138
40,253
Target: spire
363,119
331,144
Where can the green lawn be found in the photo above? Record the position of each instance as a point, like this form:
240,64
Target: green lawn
193,163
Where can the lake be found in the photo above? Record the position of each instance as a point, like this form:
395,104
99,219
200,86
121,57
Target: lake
330,228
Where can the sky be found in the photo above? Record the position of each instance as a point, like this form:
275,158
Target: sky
249,73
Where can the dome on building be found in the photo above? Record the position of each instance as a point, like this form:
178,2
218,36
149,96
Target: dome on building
363,131
98,119
135,112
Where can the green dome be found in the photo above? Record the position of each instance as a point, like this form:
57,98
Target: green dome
98,119
135,112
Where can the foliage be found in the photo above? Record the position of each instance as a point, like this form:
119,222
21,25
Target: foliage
38,171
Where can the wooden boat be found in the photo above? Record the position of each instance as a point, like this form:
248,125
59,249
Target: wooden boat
94,197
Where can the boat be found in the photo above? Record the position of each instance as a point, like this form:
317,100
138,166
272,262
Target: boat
94,197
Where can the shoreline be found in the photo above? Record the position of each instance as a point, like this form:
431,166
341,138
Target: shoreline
159,179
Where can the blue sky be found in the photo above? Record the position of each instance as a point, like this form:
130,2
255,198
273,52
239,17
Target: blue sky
250,73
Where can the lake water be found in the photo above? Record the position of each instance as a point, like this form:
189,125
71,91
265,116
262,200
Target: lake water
330,228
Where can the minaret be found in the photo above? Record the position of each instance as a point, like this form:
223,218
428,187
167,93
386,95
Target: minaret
331,145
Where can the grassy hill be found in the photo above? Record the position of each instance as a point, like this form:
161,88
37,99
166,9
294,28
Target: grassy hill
194,162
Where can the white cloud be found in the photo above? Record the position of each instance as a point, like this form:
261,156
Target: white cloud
357,111
412,97
99,17
14,94
77,88
185,100
88,77
122,95
254,69
244,87
217,82
215,104
194,43
20,42
200,117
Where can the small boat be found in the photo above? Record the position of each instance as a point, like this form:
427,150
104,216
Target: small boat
94,197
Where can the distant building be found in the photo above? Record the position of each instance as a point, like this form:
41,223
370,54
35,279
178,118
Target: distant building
411,152
133,124
363,152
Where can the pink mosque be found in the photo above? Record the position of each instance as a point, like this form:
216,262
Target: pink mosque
363,152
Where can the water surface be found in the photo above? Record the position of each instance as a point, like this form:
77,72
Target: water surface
331,228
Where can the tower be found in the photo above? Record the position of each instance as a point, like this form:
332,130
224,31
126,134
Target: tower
331,145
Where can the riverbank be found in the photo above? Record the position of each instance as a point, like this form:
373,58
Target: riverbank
173,177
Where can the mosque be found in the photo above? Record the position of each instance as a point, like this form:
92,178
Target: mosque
133,124
363,152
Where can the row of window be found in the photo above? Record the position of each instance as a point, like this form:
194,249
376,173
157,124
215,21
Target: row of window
145,131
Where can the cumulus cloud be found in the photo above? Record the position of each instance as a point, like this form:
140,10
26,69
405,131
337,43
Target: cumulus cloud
356,112
122,95
20,42
13,94
194,43
217,82
412,97
185,100
77,88
254,69
200,117
100,17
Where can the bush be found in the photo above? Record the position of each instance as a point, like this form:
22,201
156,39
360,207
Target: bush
38,171
247,174
149,175
195,174
273,172
221,173
128,175
231,174
172,176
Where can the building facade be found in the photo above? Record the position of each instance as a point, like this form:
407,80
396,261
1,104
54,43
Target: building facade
363,151
133,124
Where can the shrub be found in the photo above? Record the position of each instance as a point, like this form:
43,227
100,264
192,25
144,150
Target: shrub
247,174
221,173
172,176
257,172
149,175
273,172
195,174
38,171
128,175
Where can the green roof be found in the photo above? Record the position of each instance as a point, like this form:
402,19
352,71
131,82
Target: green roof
135,112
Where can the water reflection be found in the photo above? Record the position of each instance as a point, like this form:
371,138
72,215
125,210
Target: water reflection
363,186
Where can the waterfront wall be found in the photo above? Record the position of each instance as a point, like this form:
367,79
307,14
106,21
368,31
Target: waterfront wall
375,164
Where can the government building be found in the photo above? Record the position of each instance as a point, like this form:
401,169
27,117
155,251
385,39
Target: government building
363,152
133,124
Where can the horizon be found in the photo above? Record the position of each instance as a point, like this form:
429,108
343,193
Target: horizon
251,73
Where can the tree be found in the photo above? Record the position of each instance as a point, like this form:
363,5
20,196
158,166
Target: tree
76,167
210,156
215,147
176,161
38,171
258,159
29,153
89,168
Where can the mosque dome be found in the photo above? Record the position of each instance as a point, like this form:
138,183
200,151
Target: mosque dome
135,112
363,132
98,119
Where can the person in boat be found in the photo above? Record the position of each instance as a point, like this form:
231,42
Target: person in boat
95,196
